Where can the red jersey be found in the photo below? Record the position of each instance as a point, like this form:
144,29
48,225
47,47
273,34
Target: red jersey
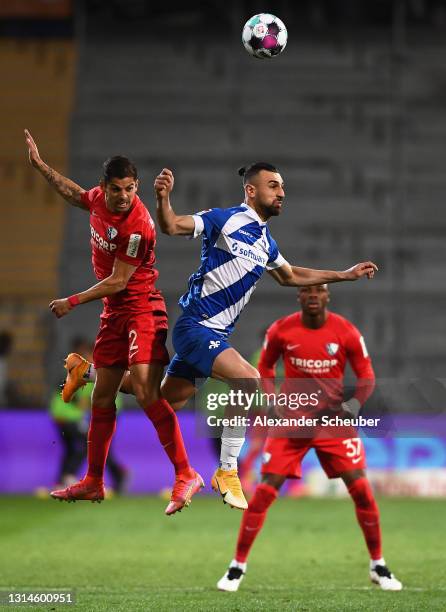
319,354
130,237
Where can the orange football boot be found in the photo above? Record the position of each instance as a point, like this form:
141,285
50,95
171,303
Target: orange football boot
183,491
76,366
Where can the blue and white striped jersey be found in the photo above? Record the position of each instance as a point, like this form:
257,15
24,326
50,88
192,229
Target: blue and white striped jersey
237,248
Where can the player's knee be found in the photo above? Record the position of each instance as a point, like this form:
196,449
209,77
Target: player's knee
250,380
102,400
177,405
273,480
146,397
252,372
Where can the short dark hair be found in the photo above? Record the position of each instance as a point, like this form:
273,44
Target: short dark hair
247,172
118,167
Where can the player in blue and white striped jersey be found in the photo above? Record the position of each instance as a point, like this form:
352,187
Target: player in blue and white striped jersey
237,248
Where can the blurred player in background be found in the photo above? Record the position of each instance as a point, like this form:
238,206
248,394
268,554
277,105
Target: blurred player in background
316,344
69,419
133,326
237,249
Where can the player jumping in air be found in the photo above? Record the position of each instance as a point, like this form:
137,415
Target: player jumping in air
237,248
316,344
133,326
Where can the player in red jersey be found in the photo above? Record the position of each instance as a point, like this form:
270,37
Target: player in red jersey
133,327
316,344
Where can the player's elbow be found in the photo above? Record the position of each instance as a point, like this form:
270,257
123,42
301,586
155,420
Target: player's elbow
118,284
170,229
167,229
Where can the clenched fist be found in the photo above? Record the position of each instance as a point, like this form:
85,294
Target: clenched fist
164,183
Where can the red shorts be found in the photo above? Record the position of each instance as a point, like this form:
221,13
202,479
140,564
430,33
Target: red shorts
284,456
125,339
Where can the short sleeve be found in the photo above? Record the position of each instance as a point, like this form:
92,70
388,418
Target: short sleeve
270,354
275,259
199,226
132,248
357,352
361,364
210,221
88,197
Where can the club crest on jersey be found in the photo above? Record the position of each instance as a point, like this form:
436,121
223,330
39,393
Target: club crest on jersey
266,457
111,233
332,348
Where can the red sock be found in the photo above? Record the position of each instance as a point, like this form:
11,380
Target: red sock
100,434
169,433
368,515
253,519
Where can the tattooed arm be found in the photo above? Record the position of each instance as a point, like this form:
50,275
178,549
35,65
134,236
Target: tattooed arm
69,190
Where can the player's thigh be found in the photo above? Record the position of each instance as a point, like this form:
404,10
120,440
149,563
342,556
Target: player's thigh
230,366
111,346
177,391
106,386
283,456
147,333
146,382
340,455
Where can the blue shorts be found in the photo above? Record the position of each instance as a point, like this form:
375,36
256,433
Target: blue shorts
196,348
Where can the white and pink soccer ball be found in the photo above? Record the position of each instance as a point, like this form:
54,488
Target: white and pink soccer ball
264,36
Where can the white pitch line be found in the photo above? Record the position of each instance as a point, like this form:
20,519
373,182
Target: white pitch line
199,589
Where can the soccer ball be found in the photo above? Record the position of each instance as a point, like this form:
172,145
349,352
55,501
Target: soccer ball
264,36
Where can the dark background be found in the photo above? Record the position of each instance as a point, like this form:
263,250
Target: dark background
353,114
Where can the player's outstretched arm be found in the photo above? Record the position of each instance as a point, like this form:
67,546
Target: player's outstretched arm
69,190
294,276
117,281
169,222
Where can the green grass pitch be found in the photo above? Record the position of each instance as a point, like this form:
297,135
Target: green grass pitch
124,554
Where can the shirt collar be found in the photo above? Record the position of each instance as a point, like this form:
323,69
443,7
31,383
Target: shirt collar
252,213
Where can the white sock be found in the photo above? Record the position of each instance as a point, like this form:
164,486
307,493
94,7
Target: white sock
90,374
374,563
231,447
242,566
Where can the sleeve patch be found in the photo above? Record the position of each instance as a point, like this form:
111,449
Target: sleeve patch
363,346
133,245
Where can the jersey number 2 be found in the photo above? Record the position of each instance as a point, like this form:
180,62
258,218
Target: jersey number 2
133,346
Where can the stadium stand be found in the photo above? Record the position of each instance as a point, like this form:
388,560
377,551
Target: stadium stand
358,137
40,78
